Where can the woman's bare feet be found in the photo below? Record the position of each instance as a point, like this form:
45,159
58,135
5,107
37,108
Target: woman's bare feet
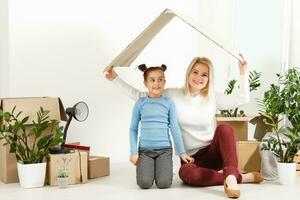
252,177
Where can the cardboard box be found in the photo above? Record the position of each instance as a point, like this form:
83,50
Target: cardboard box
248,156
98,166
77,167
29,106
297,160
261,127
238,124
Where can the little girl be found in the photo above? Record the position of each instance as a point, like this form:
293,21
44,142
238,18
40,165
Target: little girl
156,115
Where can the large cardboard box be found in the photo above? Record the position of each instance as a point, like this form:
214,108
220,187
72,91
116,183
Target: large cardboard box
297,160
29,106
77,167
98,166
248,156
238,124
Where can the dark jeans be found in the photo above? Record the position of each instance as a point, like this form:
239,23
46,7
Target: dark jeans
219,155
154,165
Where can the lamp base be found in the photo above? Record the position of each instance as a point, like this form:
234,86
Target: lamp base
59,150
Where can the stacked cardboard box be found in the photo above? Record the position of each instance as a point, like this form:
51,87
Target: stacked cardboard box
297,160
98,166
29,106
238,124
247,151
77,167
248,156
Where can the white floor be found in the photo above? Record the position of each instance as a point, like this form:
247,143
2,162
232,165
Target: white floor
121,185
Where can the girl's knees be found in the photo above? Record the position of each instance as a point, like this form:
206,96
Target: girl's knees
144,183
163,183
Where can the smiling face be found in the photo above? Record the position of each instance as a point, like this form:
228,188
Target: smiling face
198,78
155,83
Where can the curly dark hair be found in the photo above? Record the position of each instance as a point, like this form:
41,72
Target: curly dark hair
147,70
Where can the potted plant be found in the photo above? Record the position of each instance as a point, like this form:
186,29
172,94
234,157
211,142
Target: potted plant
235,117
63,172
30,145
254,83
281,103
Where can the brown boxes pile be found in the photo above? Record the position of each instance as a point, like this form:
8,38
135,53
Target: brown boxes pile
248,156
77,167
29,106
98,166
247,151
297,160
239,125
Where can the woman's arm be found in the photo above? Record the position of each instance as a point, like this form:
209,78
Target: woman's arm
242,95
132,92
175,130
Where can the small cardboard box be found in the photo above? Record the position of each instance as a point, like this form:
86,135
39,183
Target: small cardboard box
261,128
238,124
248,156
29,106
98,166
297,160
77,167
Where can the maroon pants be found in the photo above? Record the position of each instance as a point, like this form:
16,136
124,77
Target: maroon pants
219,155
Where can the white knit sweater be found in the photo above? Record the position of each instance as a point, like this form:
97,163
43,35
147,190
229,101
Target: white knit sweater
196,115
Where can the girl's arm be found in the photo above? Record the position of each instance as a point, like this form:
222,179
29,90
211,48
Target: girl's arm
133,130
242,95
132,92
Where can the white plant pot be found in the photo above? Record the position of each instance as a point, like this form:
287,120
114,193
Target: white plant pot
63,182
32,175
286,173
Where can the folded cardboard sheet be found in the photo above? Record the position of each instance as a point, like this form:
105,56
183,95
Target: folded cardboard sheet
131,52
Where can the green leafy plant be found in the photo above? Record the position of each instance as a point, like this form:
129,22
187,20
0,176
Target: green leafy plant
254,83
280,101
63,170
15,133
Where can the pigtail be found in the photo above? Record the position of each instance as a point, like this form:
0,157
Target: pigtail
164,67
142,67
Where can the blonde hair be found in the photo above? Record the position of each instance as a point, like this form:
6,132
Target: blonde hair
198,60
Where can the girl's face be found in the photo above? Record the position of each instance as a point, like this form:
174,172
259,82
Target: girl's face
155,83
198,78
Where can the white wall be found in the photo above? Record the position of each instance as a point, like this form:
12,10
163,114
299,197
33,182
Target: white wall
60,47
295,35
4,70
259,36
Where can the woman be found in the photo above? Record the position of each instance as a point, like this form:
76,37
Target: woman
213,149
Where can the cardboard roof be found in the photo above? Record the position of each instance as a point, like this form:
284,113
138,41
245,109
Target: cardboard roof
131,52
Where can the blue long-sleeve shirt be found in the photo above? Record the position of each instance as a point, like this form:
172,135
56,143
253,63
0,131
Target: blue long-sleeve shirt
153,117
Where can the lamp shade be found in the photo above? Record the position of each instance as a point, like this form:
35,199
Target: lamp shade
79,111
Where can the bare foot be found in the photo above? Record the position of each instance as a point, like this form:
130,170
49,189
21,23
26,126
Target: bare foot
252,177
247,178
